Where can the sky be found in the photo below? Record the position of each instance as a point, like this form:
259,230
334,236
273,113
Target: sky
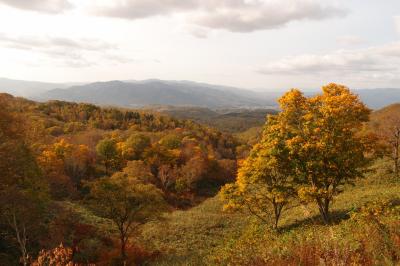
254,44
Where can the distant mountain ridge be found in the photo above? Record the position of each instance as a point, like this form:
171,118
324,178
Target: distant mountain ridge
379,98
27,88
154,92
158,92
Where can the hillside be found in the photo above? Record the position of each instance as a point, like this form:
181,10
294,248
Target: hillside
140,186
28,88
385,113
228,120
153,92
386,122
205,235
82,160
51,152
379,98
157,92
184,93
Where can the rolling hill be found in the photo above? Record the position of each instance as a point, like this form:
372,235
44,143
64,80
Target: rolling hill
228,120
153,92
27,88
379,98
157,92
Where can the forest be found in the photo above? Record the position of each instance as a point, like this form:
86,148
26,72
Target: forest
317,184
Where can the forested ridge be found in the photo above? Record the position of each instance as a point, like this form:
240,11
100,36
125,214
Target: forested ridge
88,185
53,151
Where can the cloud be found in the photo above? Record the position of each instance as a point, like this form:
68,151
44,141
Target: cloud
135,9
65,51
35,42
231,15
257,15
197,32
397,23
349,40
46,6
378,61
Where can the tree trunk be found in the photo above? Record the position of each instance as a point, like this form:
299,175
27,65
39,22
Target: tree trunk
396,147
123,248
277,213
396,159
21,239
106,165
323,206
123,240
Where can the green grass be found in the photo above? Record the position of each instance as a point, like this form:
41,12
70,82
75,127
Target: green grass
194,236
205,235
85,216
187,237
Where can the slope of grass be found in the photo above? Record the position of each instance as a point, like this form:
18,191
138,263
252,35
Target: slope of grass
205,235
186,237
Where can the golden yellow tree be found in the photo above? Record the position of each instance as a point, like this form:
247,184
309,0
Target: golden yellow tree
323,137
264,183
313,145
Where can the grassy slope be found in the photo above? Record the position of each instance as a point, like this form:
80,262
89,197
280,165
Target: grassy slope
186,237
194,236
189,237
233,120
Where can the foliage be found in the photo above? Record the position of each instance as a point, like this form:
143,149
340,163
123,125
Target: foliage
171,141
386,122
226,120
48,151
134,146
264,179
23,192
357,241
323,141
58,146
107,151
126,201
312,145
58,256
207,235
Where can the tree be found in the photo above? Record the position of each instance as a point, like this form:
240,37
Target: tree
107,150
264,179
52,163
171,141
386,122
22,211
79,165
325,147
135,146
23,192
138,170
193,172
126,201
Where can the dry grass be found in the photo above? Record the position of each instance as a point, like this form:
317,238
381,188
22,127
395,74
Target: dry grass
205,235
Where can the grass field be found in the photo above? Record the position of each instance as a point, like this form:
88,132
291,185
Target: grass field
205,235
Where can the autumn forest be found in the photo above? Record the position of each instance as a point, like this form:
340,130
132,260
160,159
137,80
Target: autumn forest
88,185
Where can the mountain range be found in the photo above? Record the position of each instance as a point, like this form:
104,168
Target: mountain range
29,89
153,92
158,92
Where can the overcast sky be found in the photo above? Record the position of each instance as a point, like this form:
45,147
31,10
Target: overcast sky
260,44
